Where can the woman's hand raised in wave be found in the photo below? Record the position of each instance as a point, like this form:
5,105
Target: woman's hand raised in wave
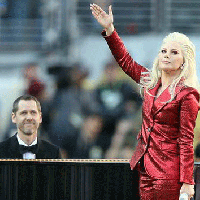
104,19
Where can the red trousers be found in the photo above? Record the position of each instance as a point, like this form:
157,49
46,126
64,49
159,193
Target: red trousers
154,189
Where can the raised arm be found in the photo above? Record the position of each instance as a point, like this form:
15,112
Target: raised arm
119,51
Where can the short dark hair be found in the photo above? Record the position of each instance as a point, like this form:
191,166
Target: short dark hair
25,98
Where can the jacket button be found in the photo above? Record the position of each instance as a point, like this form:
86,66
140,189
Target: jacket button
149,129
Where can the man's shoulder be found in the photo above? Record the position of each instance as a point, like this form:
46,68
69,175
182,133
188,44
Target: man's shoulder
8,147
48,144
48,150
6,142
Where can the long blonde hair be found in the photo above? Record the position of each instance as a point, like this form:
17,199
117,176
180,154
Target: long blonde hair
188,72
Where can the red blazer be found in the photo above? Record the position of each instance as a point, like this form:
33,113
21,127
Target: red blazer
166,136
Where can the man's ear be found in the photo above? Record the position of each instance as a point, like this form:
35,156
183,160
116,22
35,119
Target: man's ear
13,117
40,117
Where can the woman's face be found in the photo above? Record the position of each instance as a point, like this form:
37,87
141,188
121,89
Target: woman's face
171,58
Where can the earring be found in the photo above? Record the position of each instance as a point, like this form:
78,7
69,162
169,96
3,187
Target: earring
182,66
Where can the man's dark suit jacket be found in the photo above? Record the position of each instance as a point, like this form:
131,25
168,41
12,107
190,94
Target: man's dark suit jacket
9,149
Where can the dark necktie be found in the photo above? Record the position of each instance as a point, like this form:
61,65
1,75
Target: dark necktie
25,149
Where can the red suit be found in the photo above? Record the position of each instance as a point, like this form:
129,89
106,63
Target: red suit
165,141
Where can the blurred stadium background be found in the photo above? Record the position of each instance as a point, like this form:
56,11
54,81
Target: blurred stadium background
54,32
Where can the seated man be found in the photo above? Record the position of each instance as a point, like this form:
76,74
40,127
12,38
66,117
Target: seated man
26,144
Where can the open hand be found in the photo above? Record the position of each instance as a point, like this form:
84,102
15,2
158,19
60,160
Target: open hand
104,19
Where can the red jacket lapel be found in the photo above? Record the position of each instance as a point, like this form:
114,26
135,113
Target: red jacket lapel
163,99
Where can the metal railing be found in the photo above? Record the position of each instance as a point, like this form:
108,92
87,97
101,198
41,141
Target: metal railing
37,34
130,16
65,20
184,15
143,16
21,34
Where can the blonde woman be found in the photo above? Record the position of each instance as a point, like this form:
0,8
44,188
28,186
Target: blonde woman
164,153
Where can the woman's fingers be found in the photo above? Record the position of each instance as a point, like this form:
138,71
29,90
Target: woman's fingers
94,14
97,11
95,8
104,19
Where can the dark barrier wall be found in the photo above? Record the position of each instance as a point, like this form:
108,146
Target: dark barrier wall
67,180
71,180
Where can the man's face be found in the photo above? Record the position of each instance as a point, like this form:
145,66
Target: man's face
27,118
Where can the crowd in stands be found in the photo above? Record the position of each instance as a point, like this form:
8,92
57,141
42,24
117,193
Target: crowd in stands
87,119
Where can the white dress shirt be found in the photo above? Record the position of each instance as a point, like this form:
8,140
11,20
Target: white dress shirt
28,155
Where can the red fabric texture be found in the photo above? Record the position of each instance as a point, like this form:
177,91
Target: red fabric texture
155,189
166,136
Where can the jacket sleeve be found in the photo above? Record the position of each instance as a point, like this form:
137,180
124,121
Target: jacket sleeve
188,114
122,56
